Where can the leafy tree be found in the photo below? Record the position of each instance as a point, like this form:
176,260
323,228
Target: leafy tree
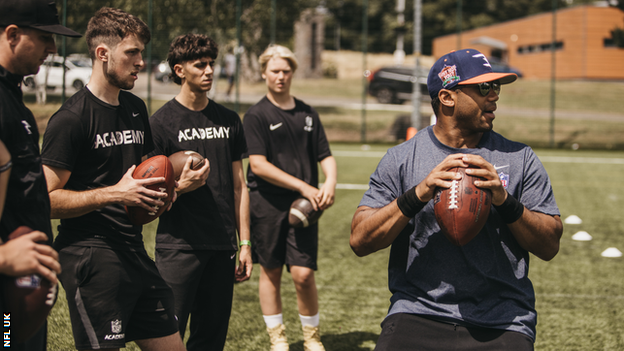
618,37
439,17
216,18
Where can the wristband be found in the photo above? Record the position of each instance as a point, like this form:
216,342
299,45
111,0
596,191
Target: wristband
6,166
511,210
244,242
409,203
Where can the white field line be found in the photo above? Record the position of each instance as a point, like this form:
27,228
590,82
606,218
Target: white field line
554,159
592,160
352,186
374,154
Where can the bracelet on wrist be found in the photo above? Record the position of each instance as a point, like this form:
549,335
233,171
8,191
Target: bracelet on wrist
510,210
409,203
244,243
6,166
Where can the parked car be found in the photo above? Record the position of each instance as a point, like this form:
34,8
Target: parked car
500,66
77,73
162,72
393,84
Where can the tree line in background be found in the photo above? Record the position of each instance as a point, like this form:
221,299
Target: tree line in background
439,17
218,19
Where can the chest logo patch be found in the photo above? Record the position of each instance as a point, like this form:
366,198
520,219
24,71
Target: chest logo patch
308,121
27,127
504,177
275,126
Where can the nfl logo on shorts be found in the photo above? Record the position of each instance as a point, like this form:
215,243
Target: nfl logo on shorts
116,326
32,281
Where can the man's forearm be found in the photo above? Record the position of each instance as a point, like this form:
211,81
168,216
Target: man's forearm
69,204
373,229
538,233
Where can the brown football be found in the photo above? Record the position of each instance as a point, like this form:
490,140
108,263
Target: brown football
157,166
462,209
178,160
28,299
302,214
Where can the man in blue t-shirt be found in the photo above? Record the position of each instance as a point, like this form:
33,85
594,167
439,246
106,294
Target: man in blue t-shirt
476,296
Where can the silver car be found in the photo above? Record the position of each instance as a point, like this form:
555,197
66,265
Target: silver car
77,73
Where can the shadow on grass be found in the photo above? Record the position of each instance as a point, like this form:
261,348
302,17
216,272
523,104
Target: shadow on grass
353,341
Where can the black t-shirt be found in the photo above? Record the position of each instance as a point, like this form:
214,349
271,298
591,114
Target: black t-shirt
27,201
204,219
98,143
292,140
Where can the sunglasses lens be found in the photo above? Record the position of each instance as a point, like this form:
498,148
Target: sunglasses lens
484,88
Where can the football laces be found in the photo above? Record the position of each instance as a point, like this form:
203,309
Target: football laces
453,195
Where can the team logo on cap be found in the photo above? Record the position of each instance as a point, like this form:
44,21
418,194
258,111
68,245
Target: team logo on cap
448,75
481,56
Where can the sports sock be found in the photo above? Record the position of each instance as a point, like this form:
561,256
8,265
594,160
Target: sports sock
312,321
273,320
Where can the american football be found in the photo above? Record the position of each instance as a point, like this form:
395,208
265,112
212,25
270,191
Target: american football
302,214
178,160
462,209
157,166
29,299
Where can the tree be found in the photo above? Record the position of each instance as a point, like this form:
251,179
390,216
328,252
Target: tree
439,17
216,18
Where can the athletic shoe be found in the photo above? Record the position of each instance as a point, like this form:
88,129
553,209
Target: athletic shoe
312,339
278,338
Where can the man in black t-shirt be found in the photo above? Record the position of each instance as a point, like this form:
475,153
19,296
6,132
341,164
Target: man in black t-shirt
196,241
286,141
90,149
27,29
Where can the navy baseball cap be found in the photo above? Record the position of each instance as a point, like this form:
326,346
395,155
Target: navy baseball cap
38,14
463,67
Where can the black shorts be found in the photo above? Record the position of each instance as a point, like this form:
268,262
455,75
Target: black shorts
273,241
115,297
202,282
403,331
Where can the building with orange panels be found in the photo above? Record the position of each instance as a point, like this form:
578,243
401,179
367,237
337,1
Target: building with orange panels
584,46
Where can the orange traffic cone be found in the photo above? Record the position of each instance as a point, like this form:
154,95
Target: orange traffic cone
411,131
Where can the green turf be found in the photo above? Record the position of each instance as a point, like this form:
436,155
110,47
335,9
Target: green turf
579,294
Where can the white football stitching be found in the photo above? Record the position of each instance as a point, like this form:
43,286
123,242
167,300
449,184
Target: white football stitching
453,196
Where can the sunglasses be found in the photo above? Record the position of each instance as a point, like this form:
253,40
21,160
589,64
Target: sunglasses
484,88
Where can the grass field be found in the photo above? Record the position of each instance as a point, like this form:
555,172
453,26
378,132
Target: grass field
580,302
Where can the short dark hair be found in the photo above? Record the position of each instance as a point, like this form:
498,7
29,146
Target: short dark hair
190,47
435,105
110,26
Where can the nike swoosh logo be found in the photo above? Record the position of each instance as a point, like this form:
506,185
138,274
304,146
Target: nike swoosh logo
135,114
500,167
275,126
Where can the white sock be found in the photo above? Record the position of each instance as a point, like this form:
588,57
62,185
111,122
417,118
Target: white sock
312,321
273,321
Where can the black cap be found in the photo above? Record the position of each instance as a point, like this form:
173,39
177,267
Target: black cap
38,14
